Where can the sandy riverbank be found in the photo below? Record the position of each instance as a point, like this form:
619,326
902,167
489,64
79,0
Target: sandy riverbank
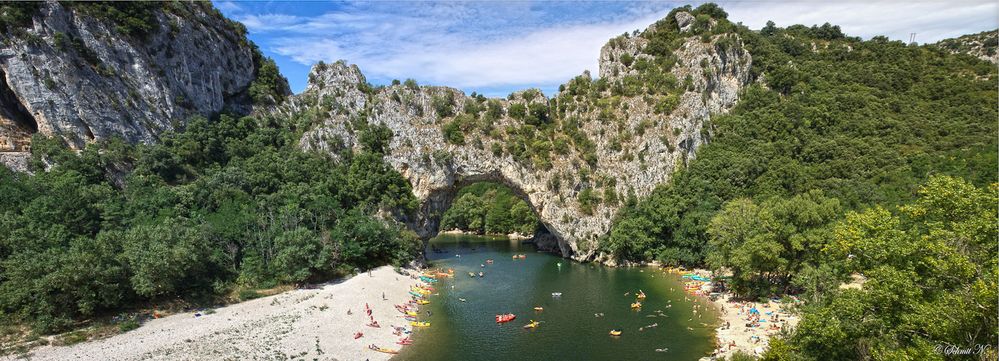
733,335
304,324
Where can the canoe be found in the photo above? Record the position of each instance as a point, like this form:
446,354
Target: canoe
505,318
615,332
385,350
419,324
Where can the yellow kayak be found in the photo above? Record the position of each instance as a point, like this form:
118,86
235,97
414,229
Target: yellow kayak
423,302
419,324
636,305
533,324
615,332
385,350
411,313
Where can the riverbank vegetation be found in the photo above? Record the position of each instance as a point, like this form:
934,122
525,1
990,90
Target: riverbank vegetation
489,208
223,205
872,158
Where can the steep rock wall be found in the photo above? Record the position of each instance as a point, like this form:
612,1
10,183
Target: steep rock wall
71,75
657,142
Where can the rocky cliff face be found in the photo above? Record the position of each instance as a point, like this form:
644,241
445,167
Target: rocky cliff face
596,143
67,73
982,45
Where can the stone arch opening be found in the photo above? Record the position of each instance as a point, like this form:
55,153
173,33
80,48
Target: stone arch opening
429,216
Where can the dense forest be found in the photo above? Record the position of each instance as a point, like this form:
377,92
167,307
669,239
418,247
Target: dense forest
222,206
489,208
873,157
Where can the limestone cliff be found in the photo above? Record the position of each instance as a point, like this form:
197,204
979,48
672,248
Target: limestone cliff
574,158
67,72
982,45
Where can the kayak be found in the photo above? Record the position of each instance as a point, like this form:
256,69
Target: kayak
641,295
533,324
382,349
636,305
505,318
471,274
416,294
411,313
419,324
615,332
539,308
423,302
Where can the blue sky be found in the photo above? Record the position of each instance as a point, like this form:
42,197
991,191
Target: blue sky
495,47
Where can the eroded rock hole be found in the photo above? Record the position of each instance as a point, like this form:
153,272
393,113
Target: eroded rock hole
16,122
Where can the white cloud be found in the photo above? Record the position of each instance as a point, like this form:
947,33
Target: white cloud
548,56
931,21
228,6
472,45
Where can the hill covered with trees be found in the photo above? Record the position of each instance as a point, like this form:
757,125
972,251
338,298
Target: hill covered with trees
847,156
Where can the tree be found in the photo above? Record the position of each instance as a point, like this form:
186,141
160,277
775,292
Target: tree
163,258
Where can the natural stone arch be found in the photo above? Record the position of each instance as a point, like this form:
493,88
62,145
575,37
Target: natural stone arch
339,98
427,222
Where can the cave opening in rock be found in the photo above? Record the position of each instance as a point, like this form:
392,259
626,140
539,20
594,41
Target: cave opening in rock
16,122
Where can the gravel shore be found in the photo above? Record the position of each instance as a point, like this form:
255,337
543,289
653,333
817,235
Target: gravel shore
301,324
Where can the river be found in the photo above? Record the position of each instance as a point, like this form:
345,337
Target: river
569,328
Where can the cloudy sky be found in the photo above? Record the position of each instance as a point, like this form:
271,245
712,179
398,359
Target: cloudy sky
495,47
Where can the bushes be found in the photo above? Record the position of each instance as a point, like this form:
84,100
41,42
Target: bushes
134,19
269,87
225,204
443,105
491,208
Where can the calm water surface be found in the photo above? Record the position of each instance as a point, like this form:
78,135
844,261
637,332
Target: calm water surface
569,330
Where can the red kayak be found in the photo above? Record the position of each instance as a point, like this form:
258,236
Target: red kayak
505,318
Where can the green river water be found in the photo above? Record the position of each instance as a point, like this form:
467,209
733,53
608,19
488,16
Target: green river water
569,329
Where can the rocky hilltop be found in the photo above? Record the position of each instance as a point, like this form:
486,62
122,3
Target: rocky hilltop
575,158
982,45
86,72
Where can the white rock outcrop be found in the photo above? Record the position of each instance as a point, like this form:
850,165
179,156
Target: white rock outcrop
71,75
337,96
